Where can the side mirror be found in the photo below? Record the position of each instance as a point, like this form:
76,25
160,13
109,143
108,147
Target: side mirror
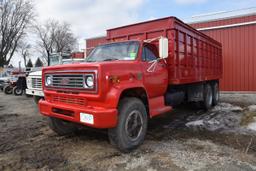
163,47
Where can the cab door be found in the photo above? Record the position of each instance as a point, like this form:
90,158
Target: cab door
155,73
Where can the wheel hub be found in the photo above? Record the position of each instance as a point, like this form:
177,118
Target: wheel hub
134,125
18,91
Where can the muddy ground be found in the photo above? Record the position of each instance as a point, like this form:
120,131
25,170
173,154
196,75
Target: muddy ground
26,143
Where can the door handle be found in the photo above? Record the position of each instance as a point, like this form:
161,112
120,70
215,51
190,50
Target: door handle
162,65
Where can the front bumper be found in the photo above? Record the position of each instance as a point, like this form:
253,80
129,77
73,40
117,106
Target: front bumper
103,118
35,92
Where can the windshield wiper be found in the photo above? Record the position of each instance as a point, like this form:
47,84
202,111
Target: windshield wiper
110,59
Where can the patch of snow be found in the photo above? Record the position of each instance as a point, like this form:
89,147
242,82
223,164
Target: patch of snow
227,107
223,117
252,126
195,123
252,108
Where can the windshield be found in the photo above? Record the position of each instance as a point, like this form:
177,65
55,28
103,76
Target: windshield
55,60
114,51
67,62
72,61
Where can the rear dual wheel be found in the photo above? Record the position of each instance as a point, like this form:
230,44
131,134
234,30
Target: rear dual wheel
207,94
216,94
210,95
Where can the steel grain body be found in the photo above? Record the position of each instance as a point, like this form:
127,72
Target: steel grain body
193,56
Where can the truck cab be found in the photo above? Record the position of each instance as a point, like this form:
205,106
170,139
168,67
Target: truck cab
137,75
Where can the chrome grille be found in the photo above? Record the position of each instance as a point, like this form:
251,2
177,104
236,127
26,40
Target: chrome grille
68,81
69,100
36,83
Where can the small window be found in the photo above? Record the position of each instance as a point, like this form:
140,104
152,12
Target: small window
148,54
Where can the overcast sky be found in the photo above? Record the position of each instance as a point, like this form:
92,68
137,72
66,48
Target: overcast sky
90,18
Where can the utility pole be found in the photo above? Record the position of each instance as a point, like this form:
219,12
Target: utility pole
19,66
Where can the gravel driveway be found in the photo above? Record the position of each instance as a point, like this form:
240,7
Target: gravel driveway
26,143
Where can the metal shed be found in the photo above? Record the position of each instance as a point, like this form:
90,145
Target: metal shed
236,30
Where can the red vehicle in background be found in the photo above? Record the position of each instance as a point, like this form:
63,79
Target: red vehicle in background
144,70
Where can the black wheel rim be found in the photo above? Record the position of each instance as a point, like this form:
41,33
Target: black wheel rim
134,125
18,91
9,90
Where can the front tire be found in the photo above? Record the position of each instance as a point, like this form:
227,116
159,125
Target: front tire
7,89
61,127
132,125
17,91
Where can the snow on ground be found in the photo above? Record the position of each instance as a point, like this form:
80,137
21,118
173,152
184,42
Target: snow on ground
252,126
252,108
224,117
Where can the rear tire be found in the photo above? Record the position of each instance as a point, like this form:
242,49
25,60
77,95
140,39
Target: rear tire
132,125
17,91
7,89
208,97
61,127
215,94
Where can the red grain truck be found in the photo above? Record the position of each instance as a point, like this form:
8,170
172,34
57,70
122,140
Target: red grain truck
144,70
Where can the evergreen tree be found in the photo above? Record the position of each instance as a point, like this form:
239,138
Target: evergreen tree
39,63
29,64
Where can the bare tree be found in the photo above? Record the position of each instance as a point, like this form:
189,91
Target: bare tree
55,37
45,34
15,17
64,38
25,51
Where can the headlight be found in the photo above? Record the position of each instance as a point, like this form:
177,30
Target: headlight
29,82
89,81
48,80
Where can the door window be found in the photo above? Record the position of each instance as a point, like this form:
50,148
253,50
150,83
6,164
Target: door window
148,54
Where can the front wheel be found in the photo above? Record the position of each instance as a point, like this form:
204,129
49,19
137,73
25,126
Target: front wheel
132,125
17,91
7,89
61,127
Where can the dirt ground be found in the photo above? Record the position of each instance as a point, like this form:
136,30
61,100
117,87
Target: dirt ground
26,143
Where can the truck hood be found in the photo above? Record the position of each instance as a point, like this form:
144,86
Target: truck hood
5,78
120,65
36,73
120,69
